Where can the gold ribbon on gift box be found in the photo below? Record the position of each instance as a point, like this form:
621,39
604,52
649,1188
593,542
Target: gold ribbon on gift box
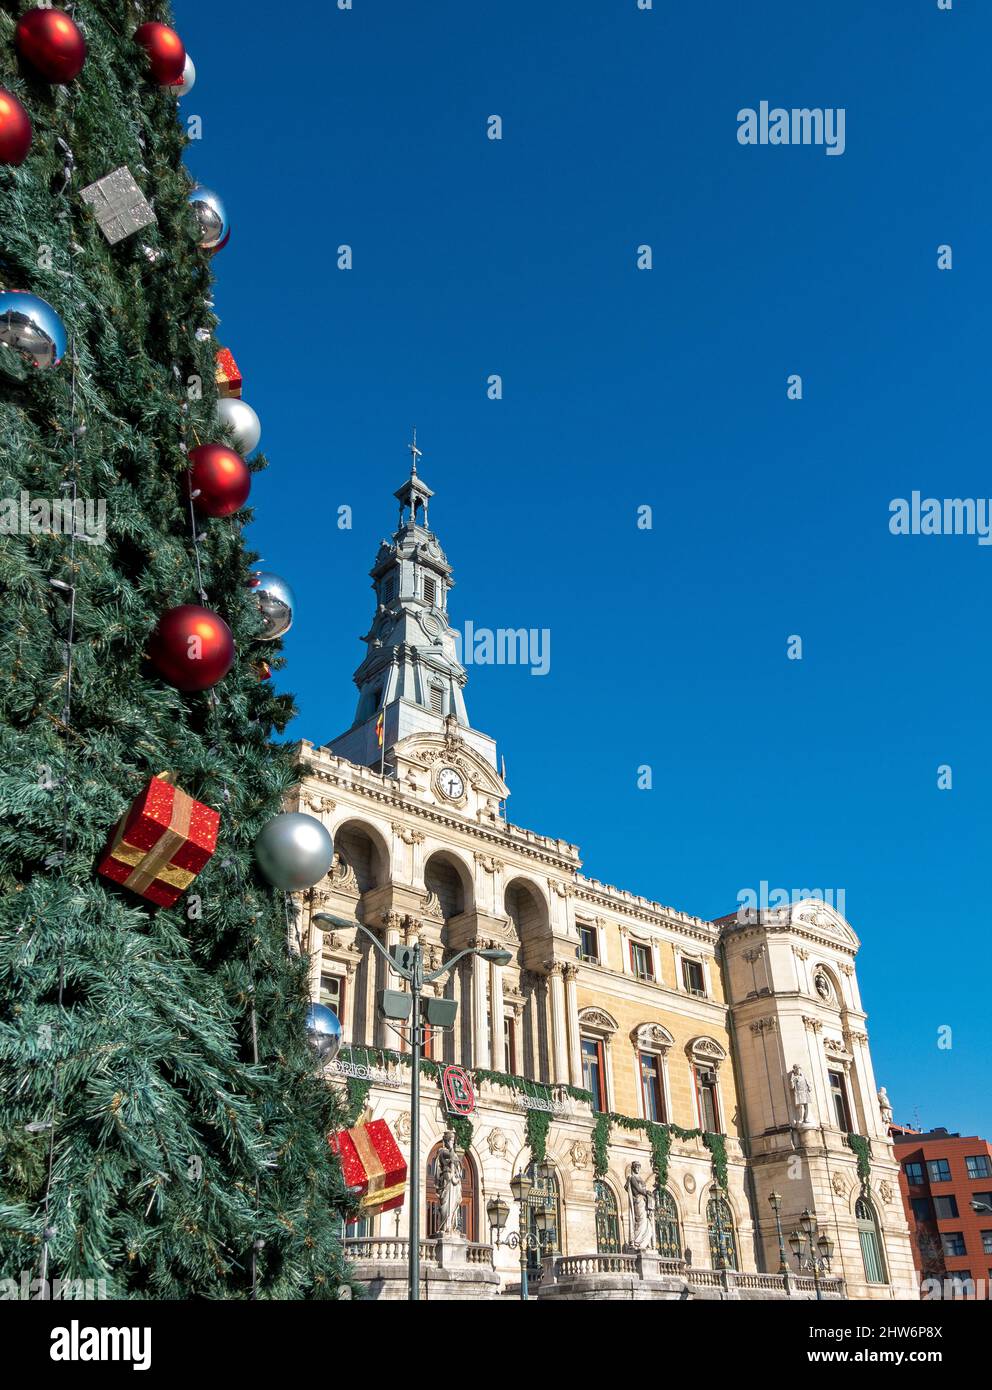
152,864
383,1198
375,1169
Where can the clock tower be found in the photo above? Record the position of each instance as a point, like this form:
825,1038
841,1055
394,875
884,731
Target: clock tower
411,702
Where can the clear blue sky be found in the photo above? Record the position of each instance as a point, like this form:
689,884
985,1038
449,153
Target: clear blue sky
665,388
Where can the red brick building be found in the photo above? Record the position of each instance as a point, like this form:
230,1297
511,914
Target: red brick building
942,1178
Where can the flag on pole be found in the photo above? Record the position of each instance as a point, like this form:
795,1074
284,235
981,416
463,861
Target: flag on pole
380,725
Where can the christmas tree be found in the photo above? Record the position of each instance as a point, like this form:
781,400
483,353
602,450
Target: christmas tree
163,1125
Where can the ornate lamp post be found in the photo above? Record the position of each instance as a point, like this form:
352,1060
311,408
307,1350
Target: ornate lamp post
524,1238
413,972
775,1198
812,1252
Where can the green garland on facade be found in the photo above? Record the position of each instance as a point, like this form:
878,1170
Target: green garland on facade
717,1145
538,1122
601,1130
537,1129
523,1087
862,1148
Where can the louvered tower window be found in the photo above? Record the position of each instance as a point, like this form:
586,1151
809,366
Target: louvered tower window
430,589
437,699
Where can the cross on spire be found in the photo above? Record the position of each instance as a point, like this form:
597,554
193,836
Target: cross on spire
415,454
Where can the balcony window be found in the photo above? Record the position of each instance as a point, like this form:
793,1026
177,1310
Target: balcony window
914,1174
651,1091
641,961
706,1099
838,1092
594,1071
588,944
693,978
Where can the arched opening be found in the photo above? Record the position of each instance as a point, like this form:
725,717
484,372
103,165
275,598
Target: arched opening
545,1193
468,1215
444,881
526,909
359,850
668,1235
723,1237
608,1238
871,1242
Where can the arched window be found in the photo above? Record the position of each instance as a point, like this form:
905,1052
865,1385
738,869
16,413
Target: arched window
467,1218
668,1237
723,1238
871,1242
444,883
607,1221
547,1196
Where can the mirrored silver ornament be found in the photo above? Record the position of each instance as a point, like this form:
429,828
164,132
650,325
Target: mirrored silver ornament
323,1031
294,851
211,219
275,603
241,420
30,327
186,83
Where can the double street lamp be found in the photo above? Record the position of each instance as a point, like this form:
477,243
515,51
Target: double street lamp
408,963
524,1239
812,1252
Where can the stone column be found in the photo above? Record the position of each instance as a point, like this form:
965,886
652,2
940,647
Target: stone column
559,1032
480,1019
348,1022
572,1023
382,980
498,1061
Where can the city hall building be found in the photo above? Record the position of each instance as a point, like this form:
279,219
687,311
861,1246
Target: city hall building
744,1038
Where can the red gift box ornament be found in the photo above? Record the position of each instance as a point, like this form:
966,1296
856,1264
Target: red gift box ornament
161,843
372,1164
227,374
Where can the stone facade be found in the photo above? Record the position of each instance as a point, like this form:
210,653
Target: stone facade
661,1014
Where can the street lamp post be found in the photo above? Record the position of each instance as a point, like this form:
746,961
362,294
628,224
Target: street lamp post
523,1239
812,1252
413,973
775,1198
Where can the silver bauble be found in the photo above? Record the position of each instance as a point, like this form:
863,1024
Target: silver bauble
275,603
186,83
323,1031
239,417
30,327
294,851
211,219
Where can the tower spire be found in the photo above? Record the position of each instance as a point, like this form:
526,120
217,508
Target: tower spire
415,454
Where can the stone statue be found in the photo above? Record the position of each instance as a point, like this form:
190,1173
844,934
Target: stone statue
448,1186
641,1205
884,1106
801,1094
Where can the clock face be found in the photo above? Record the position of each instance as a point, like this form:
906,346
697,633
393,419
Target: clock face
451,783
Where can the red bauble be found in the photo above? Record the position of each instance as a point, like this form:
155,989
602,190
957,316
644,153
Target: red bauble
15,129
51,43
192,648
221,477
166,52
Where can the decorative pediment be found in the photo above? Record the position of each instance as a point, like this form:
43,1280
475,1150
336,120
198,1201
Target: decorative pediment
706,1050
597,1019
816,914
449,749
651,1037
